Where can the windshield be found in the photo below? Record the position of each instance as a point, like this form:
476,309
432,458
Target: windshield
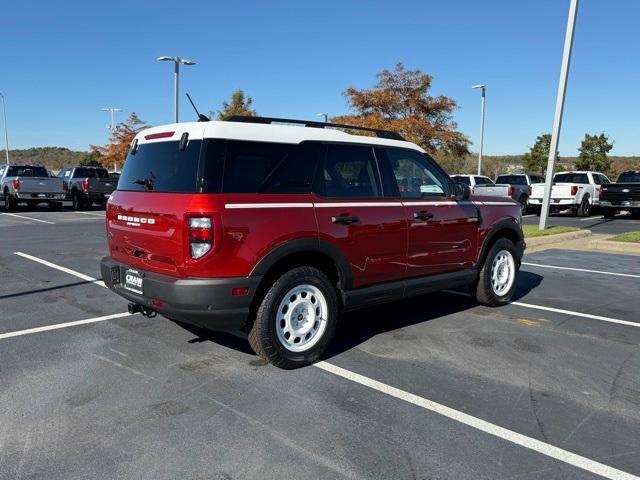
629,177
512,179
27,172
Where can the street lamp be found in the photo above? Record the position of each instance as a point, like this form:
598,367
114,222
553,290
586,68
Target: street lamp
6,137
325,115
176,73
113,112
483,89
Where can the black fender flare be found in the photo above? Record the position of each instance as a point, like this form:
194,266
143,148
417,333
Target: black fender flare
311,245
501,226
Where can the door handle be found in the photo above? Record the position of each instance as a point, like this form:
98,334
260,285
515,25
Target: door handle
423,215
344,219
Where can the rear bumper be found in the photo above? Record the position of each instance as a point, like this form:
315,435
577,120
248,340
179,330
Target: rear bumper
621,204
206,303
96,196
40,196
555,202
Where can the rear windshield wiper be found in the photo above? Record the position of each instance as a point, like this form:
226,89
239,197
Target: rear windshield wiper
145,182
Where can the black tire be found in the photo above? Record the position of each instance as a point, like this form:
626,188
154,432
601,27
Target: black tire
585,207
56,206
263,334
635,213
609,213
524,207
9,202
76,201
483,288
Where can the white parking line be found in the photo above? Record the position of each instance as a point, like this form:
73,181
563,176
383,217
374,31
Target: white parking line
591,218
57,326
29,218
90,213
560,310
580,270
62,269
543,448
530,215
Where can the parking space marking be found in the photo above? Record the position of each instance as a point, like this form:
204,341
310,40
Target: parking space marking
29,218
90,213
28,331
543,448
580,270
591,218
560,310
62,269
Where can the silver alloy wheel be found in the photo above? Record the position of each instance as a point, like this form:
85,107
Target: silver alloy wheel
301,318
503,272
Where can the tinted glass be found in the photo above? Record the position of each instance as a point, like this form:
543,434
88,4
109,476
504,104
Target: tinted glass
571,178
460,179
629,177
512,179
483,181
349,172
90,173
27,172
162,167
416,176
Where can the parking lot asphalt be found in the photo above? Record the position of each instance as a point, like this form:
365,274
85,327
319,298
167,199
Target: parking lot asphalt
595,222
437,387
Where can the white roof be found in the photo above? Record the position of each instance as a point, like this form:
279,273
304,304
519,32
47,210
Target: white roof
276,133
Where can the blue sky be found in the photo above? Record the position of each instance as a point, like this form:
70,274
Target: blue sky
63,61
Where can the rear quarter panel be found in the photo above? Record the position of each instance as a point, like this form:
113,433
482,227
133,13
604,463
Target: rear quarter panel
493,212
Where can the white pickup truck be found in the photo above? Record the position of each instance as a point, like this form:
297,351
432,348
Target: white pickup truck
578,191
482,186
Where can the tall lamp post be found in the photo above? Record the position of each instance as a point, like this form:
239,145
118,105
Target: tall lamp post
325,115
6,136
557,118
176,78
113,112
483,91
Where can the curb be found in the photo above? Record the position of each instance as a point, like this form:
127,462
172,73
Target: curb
618,247
557,238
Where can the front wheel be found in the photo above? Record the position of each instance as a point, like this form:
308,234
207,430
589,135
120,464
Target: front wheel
296,318
498,277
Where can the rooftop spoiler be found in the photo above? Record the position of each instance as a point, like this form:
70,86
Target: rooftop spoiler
314,124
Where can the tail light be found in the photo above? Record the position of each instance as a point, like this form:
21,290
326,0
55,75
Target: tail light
16,183
65,185
574,190
511,191
600,193
85,184
200,236
529,191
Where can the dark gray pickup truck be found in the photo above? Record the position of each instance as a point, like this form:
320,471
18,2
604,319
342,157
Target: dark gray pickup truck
30,184
622,195
520,187
87,185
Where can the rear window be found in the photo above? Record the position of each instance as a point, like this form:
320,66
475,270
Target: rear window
162,167
512,179
629,177
571,178
464,180
27,172
90,173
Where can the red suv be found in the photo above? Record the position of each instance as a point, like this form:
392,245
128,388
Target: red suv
278,228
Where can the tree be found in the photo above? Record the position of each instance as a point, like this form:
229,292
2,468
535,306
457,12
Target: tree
400,102
593,153
91,159
536,160
115,153
239,105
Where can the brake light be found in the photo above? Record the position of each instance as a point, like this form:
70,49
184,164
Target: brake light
85,184
574,190
16,183
600,193
153,136
200,236
529,191
65,185
511,191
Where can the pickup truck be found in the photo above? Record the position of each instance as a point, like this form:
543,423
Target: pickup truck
577,191
482,186
31,185
520,187
622,195
87,185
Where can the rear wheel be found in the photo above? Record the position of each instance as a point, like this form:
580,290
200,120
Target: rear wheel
608,213
523,205
9,202
499,273
76,201
585,207
56,206
296,319
635,213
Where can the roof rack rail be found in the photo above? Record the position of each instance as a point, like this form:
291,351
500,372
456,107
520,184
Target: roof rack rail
314,124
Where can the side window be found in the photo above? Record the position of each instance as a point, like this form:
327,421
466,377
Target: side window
415,175
349,171
483,181
464,180
1,171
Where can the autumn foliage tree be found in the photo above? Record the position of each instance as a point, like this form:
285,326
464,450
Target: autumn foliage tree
400,102
115,153
238,105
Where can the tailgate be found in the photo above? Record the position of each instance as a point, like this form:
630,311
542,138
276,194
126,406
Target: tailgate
40,185
102,185
491,190
561,191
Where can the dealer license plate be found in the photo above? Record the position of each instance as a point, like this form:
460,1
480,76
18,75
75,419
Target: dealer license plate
133,280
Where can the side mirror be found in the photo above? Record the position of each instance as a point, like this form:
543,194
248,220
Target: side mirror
461,191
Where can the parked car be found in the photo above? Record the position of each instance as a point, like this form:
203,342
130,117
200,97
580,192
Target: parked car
578,191
482,186
87,185
277,229
30,184
520,187
622,195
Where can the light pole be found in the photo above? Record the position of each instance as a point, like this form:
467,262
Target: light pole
113,120
483,90
176,74
557,118
6,136
325,115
